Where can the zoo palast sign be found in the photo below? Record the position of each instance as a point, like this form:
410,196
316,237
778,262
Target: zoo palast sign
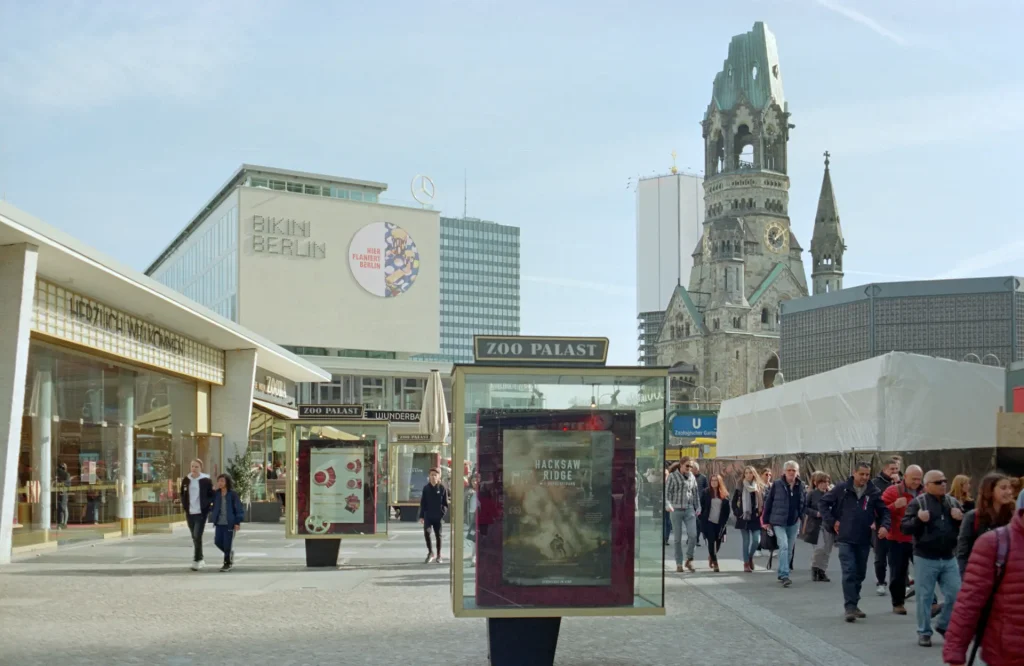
539,350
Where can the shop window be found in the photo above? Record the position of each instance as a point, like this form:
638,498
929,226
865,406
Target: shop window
372,393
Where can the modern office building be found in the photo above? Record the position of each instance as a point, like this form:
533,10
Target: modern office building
110,384
975,319
669,219
479,285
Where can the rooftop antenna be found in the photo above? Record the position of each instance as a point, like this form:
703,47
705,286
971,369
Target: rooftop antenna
465,193
674,156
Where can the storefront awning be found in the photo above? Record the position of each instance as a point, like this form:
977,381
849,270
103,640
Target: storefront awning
276,410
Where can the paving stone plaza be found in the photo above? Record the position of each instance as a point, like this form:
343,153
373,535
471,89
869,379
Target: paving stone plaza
136,602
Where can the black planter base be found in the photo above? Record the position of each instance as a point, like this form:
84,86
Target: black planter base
518,641
322,552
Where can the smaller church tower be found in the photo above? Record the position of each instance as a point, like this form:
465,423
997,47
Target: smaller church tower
827,245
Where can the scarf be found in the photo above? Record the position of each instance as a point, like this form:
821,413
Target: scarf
749,487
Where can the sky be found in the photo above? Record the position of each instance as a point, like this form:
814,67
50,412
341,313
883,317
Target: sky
119,120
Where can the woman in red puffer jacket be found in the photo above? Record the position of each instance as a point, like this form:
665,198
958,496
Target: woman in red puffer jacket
1003,641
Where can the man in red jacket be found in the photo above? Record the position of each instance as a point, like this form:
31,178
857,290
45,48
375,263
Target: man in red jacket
901,546
1003,641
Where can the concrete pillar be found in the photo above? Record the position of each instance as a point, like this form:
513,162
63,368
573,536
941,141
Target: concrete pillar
17,287
126,454
231,404
42,443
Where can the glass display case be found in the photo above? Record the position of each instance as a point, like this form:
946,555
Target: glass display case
408,465
339,486
563,515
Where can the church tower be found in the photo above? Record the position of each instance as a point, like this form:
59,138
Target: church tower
827,245
725,322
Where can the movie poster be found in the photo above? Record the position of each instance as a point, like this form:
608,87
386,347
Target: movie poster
420,473
336,485
557,496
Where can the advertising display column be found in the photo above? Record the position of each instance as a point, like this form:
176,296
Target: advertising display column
564,513
338,472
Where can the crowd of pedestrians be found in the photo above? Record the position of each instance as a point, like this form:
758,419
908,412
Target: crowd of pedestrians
966,549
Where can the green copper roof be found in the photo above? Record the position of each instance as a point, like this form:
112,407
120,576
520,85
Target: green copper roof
691,309
763,287
751,71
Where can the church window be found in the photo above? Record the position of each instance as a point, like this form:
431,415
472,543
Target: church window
753,72
716,324
687,329
716,376
826,286
764,315
726,282
737,354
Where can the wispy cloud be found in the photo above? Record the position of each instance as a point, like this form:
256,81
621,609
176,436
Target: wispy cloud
94,54
864,20
614,290
985,262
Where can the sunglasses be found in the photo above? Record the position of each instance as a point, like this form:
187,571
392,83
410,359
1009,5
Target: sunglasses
940,482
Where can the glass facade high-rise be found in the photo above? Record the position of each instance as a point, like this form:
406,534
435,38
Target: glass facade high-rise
479,285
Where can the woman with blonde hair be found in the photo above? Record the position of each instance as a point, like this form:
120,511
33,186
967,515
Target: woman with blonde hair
961,491
747,504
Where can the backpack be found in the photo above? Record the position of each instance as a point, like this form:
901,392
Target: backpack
1002,554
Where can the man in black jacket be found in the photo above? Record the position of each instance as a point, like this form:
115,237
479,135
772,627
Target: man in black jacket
197,500
889,475
433,507
933,519
850,510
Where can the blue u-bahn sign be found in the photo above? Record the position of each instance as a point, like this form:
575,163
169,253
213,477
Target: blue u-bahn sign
689,425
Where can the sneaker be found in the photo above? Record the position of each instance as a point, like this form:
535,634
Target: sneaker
226,567
439,559
786,582
430,558
850,616
195,565
679,568
881,590
910,591
200,565
924,641
859,613
899,610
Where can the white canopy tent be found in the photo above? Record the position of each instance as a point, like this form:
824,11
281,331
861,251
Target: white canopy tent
894,402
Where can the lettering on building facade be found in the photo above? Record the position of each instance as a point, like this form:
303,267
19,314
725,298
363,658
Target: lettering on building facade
527,350
286,237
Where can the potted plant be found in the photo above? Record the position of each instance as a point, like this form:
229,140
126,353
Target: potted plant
244,474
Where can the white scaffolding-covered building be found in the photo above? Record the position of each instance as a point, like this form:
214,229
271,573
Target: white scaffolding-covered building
894,402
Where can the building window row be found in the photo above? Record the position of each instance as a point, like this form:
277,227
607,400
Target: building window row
295,187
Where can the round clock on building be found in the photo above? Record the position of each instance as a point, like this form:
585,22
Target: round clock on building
776,238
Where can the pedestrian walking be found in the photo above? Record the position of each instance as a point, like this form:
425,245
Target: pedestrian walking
851,510
702,486
197,500
960,490
433,508
933,518
472,507
747,503
714,509
889,475
994,509
901,546
990,607
821,539
228,513
783,509
681,492
766,481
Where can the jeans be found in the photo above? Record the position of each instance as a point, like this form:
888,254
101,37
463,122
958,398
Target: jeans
751,542
853,559
196,525
681,518
62,510
900,555
881,558
429,524
668,524
786,536
223,538
928,574
823,549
